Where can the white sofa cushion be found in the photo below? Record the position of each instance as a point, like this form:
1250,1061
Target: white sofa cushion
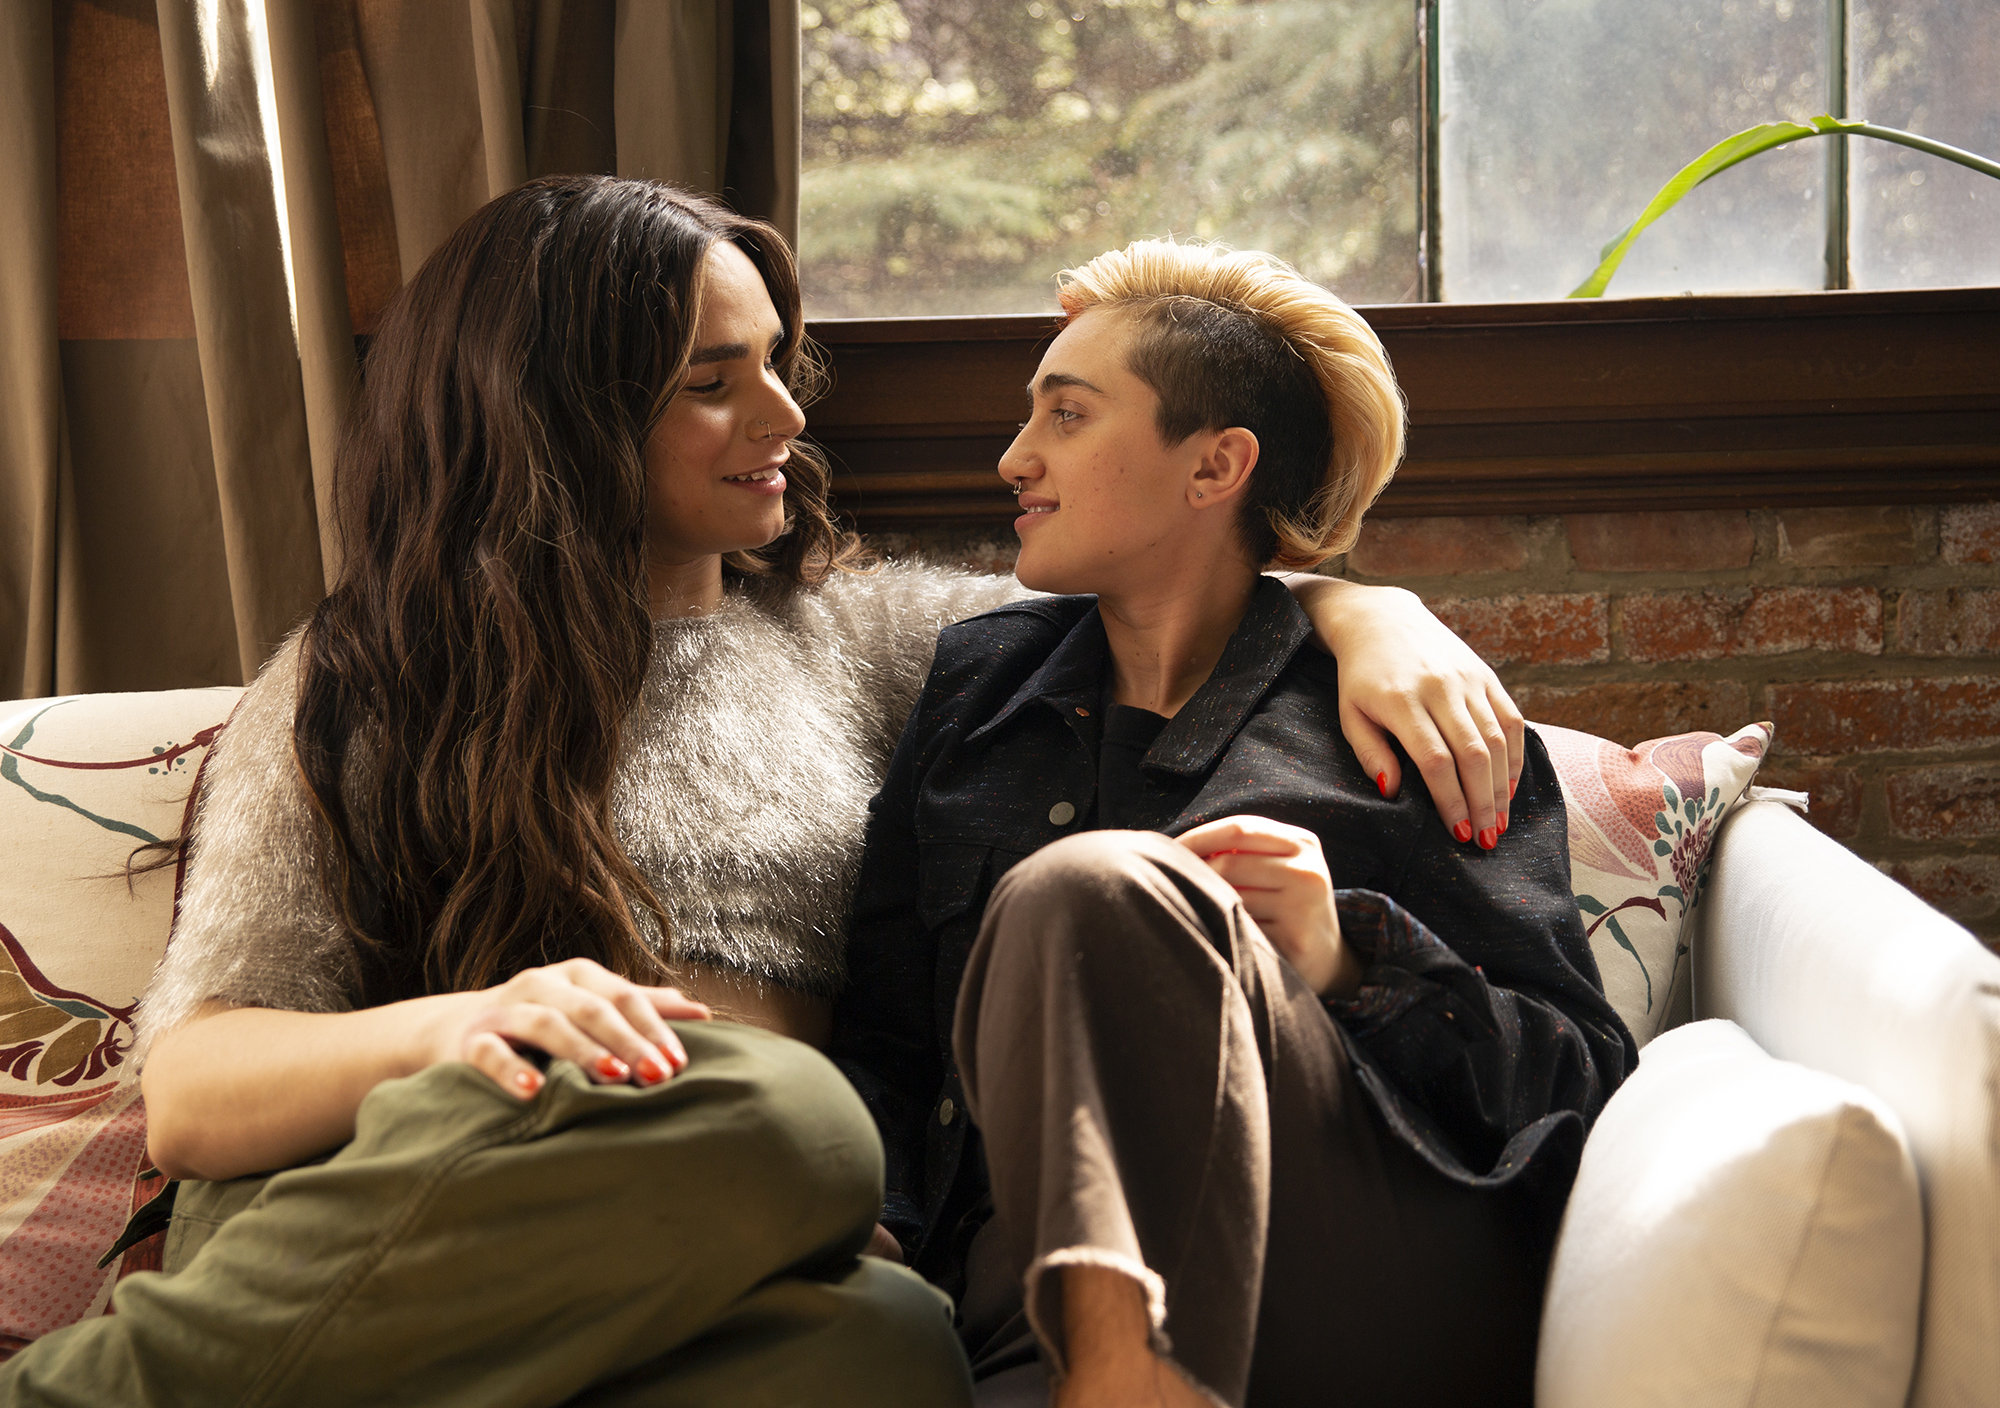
1826,961
1744,1231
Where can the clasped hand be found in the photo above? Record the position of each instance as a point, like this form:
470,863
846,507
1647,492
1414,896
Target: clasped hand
1280,872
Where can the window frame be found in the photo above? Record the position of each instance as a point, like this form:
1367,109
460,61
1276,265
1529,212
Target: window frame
1589,405
1586,405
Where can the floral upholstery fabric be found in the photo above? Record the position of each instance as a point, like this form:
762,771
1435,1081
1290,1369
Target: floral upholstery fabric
1642,822
83,781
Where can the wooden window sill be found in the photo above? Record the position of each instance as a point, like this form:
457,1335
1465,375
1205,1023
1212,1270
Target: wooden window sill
1595,406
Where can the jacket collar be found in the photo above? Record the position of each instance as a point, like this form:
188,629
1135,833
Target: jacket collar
1068,681
1071,681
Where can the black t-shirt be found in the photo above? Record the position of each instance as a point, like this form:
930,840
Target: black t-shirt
1127,733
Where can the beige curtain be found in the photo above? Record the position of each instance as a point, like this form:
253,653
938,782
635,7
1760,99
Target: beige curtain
212,198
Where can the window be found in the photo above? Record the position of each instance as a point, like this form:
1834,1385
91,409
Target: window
1557,120
958,152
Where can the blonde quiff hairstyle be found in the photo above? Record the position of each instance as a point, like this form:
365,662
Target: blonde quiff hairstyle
1151,280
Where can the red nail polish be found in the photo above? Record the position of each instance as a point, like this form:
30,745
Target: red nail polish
1463,831
1503,825
651,1071
528,1082
1382,783
611,1068
1488,839
1512,783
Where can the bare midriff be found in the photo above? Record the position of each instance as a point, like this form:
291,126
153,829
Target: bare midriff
738,997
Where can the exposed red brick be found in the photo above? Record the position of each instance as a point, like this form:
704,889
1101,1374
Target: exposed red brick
1945,804
1660,542
1437,547
1832,717
1536,629
1633,712
1835,792
1847,537
1970,533
1751,621
1965,887
1950,622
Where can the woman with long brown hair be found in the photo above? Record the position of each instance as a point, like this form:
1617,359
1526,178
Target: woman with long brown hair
597,707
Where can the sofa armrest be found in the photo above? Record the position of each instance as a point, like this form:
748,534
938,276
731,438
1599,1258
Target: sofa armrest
1827,962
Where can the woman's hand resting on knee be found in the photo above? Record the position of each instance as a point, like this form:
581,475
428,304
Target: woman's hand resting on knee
1281,873
239,1090
576,1011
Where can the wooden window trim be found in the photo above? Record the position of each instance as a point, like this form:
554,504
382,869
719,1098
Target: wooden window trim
1597,406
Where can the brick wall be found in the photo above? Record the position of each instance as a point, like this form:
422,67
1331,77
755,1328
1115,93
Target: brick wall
1869,636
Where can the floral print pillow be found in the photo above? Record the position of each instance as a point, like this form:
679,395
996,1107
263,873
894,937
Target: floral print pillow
1641,823
83,781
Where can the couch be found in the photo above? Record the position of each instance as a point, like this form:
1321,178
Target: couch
1706,907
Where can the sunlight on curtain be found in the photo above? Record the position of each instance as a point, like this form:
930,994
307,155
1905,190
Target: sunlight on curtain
267,107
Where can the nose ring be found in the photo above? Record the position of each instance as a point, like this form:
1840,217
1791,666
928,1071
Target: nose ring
1018,483
767,430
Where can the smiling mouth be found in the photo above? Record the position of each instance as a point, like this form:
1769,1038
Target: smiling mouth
1040,508
755,476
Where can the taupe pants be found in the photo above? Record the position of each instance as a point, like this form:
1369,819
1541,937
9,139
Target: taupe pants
1159,1093
689,1244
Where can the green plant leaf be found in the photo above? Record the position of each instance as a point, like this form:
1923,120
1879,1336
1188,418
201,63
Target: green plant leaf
1741,147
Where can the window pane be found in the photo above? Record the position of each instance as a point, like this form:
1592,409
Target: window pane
959,152
1931,67
1559,119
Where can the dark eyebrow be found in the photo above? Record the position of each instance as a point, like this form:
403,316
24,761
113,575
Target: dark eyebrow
723,352
1054,380
730,351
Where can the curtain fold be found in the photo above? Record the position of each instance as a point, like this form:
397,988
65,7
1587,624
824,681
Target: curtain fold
211,198
243,319
325,329
496,63
32,439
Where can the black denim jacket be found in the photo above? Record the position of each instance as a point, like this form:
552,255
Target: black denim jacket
1480,1031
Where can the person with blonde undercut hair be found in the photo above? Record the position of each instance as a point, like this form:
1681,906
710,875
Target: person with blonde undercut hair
1175,1118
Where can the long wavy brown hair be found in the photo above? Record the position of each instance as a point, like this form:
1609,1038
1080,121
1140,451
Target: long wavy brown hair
464,688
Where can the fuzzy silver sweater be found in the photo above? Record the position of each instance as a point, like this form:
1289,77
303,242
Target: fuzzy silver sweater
743,785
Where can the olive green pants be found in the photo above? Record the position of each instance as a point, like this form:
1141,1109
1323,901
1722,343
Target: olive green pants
694,1243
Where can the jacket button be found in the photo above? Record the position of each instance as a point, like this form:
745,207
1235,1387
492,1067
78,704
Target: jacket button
946,1111
1062,813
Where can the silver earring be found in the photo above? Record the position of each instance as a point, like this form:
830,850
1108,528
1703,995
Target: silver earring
1199,495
